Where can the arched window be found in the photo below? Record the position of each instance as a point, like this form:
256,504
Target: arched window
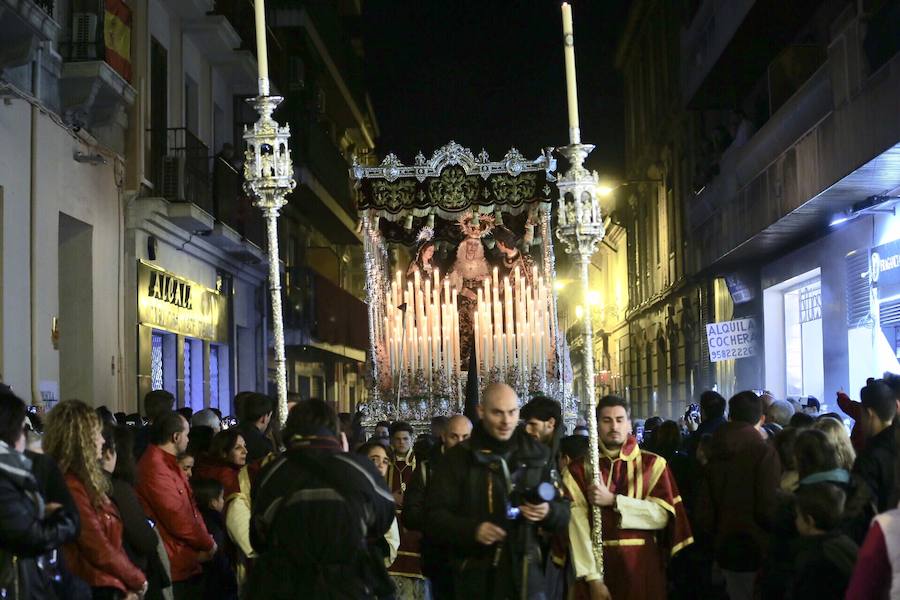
664,400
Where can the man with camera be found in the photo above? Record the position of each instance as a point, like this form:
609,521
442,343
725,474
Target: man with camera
643,519
487,497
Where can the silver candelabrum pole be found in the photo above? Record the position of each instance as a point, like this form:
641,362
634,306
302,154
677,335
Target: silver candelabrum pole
268,178
580,229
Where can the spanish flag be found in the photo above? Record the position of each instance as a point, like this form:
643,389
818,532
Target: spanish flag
117,37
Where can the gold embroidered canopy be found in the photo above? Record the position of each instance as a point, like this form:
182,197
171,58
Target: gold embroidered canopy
453,181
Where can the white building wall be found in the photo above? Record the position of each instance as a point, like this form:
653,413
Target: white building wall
87,193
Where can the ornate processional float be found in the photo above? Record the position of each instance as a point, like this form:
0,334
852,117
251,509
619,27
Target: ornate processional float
477,297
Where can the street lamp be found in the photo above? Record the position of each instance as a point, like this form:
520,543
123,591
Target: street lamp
268,178
580,229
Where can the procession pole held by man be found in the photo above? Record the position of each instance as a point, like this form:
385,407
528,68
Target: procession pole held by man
581,229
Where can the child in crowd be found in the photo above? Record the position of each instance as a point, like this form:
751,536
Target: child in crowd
185,462
219,578
825,557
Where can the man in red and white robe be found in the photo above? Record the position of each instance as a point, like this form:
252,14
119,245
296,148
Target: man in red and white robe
406,570
644,520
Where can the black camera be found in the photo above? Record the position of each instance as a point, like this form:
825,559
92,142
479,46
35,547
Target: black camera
542,492
32,410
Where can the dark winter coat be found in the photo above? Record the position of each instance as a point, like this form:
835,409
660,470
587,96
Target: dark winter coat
468,489
25,533
139,538
52,486
435,555
314,510
737,496
219,578
824,564
875,466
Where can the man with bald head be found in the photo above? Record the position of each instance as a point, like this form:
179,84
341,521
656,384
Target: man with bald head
483,504
435,556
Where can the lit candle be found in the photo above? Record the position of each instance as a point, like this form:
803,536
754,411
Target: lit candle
262,57
479,353
571,87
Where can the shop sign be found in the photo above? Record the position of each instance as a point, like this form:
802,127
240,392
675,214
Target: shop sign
731,339
810,303
884,264
171,303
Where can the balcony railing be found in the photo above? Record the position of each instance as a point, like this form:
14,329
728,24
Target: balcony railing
319,310
231,204
183,172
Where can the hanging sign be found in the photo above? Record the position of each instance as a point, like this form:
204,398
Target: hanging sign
731,339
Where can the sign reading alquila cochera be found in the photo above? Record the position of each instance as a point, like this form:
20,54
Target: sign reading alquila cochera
180,306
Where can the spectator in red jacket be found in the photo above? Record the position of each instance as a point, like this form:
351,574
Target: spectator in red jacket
73,437
167,499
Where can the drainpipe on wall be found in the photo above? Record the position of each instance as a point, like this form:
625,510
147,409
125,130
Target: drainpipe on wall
32,242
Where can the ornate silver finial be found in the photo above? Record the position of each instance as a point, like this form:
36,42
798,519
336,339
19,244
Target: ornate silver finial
268,171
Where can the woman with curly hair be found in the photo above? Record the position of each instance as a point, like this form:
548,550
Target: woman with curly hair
73,437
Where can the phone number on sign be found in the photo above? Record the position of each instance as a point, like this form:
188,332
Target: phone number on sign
731,353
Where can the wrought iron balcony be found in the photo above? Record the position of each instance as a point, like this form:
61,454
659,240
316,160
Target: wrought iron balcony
232,206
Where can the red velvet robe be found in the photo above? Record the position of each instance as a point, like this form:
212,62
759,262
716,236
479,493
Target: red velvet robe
634,559
409,557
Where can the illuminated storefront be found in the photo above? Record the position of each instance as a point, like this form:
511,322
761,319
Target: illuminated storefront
873,311
183,338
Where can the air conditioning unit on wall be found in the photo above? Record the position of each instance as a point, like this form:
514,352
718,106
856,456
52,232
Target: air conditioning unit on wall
173,178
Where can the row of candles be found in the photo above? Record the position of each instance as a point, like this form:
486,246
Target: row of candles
516,331
420,330
421,325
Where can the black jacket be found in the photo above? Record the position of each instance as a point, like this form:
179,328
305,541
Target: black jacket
314,510
470,488
824,565
139,539
52,487
25,533
219,578
875,466
435,555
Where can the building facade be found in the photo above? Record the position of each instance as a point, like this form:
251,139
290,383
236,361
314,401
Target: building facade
64,120
772,132
659,348
131,258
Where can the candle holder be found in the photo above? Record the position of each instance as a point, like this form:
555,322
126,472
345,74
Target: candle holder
580,230
268,178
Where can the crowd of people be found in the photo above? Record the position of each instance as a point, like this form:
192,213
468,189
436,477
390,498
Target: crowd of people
749,497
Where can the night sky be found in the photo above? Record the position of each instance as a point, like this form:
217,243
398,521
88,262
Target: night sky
491,74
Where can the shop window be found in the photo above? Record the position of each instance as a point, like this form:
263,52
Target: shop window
793,337
214,376
804,374
156,361
188,396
